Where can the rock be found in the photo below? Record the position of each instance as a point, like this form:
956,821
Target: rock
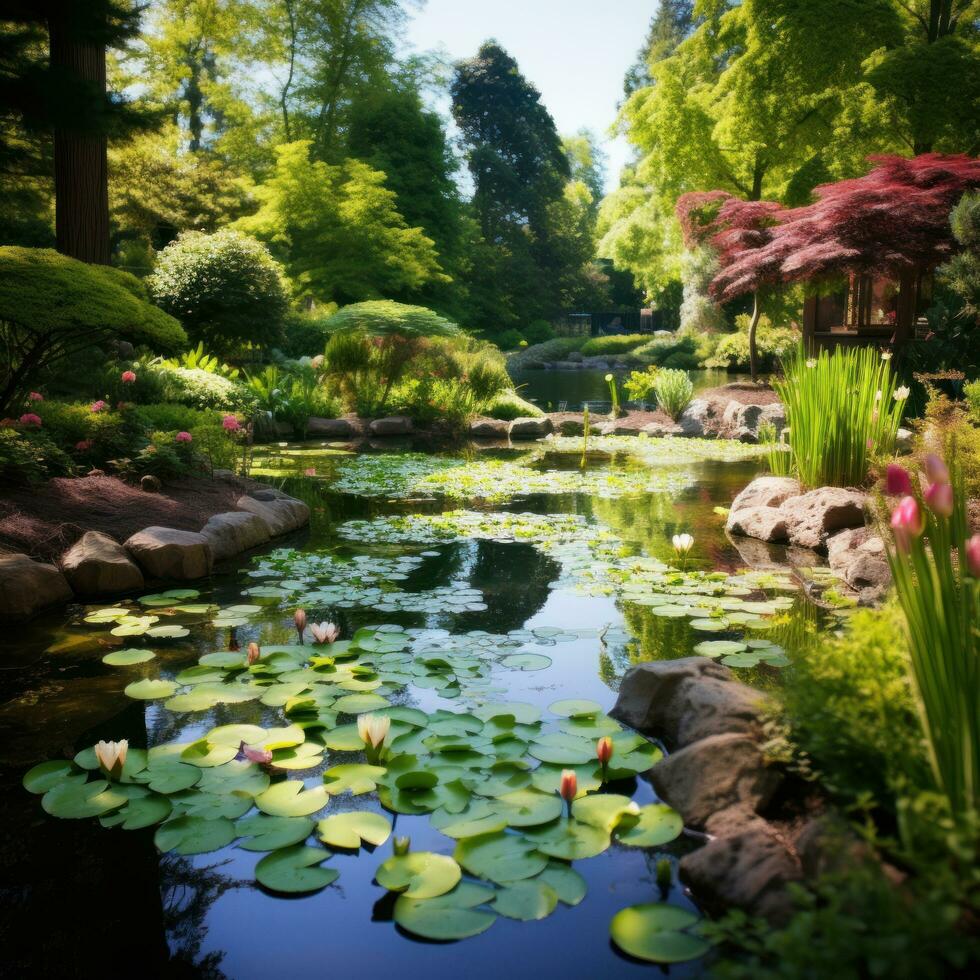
576,357
741,421
234,532
749,871
490,428
332,428
662,429
812,517
280,513
226,476
762,556
149,483
827,845
98,565
764,523
571,427
775,415
858,557
566,365
693,420
395,425
616,429
530,428
125,350
165,552
687,699
713,774
596,363
95,471
282,430
27,586
903,441
766,491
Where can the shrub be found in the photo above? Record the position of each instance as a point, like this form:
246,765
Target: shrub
949,426
53,308
107,433
538,331
508,405
842,409
510,339
225,288
674,352
305,334
203,389
163,456
674,390
616,344
173,417
30,457
639,385
772,344
550,350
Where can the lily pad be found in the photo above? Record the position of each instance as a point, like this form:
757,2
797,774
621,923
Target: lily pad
349,829
570,840
47,775
357,777
568,884
572,708
74,799
292,799
656,824
528,807
658,932
150,689
419,874
453,915
526,900
500,857
194,835
295,869
265,833
128,657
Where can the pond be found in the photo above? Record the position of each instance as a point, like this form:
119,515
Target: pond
498,586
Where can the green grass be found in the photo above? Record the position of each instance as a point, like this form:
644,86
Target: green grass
620,344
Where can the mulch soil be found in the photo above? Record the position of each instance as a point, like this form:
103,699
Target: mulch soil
44,521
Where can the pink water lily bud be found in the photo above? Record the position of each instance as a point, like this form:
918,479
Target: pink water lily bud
907,521
973,555
568,789
898,483
935,469
259,756
253,654
604,750
299,620
324,632
939,498
112,757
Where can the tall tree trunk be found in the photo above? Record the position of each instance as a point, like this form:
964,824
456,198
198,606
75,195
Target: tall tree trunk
81,178
753,325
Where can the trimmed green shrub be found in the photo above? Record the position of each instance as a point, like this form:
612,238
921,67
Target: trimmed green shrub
92,436
508,405
174,417
538,331
203,389
226,288
510,339
674,390
305,334
616,344
53,307
772,345
30,457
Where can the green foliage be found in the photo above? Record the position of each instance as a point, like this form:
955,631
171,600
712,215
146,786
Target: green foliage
678,351
162,456
508,405
674,390
30,457
842,409
203,389
772,344
173,417
511,339
52,307
107,433
949,427
616,344
538,332
639,385
778,453
305,334
199,359
551,350
383,318
225,288
962,273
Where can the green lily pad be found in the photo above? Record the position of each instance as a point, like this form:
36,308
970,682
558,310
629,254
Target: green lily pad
526,900
561,749
349,829
194,835
150,689
139,812
73,799
528,807
169,632
570,840
568,884
419,874
658,932
500,857
453,915
604,810
170,598
47,775
295,869
357,777
571,708
359,704
656,824
718,648
169,776
128,657
265,833
292,799
526,661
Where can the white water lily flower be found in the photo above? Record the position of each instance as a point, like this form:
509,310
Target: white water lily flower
683,543
112,756
324,632
901,393
373,729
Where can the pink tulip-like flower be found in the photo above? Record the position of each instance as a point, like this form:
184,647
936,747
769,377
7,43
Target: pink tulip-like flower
299,620
30,420
898,483
183,437
261,756
128,377
939,498
35,396
568,788
973,555
907,521
230,424
324,632
604,750
99,406
936,469
253,654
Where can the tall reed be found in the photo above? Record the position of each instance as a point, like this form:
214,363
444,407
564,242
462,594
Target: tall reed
842,408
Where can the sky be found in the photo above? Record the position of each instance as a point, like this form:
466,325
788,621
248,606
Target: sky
575,52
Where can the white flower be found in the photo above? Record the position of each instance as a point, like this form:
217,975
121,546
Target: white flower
683,543
886,355
609,377
112,756
373,729
901,393
878,395
812,362
324,632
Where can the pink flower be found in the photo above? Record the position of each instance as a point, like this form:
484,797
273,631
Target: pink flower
897,481
30,420
230,424
324,632
128,377
183,437
261,756
935,469
311,471
973,555
604,750
907,521
253,654
939,498
99,406
83,445
35,396
299,620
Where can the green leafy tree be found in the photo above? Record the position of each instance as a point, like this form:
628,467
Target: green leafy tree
672,22
338,229
53,307
225,288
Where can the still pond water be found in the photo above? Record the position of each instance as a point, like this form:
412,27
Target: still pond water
566,613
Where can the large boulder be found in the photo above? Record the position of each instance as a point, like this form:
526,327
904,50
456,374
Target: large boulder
764,523
98,565
332,428
490,428
530,428
766,491
27,586
693,421
280,512
684,700
167,553
858,556
749,871
232,533
662,429
812,517
394,425
571,427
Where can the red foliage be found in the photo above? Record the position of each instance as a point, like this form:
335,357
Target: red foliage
894,219
697,212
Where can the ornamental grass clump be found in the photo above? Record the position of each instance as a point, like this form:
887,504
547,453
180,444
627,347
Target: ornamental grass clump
843,409
674,390
936,568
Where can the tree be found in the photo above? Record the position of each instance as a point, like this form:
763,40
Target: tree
338,229
587,164
53,307
672,22
962,272
225,288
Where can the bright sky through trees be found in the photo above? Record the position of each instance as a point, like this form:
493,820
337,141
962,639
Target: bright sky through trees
575,52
